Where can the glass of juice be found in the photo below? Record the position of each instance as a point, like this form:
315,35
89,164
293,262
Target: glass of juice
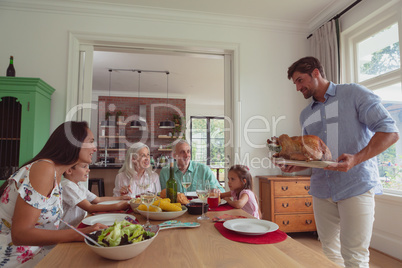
213,198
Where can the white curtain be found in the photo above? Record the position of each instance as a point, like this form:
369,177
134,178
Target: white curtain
324,46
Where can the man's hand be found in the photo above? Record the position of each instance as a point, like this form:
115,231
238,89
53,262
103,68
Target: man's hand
344,163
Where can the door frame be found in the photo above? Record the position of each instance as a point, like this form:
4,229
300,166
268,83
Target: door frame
81,47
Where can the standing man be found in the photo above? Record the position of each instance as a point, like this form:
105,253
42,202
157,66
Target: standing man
183,164
356,127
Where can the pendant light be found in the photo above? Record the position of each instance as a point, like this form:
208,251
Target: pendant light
107,122
167,123
138,123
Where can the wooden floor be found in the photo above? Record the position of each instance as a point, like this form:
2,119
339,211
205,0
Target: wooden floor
377,259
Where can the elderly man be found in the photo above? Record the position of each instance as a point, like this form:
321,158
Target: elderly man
183,165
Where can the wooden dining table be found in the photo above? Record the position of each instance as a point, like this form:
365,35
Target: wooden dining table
203,246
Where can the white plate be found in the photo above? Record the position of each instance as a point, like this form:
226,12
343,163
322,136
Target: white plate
200,201
250,226
106,219
164,215
191,194
110,202
312,164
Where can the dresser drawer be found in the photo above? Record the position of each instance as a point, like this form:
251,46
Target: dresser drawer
291,188
293,205
295,223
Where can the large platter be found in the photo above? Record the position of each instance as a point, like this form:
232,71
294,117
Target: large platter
164,215
250,226
106,219
311,164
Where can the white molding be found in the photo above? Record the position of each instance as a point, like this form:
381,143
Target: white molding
391,199
388,243
153,14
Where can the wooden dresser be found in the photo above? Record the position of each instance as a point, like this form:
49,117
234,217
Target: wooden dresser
285,201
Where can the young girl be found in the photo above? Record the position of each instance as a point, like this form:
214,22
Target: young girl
240,183
137,165
78,200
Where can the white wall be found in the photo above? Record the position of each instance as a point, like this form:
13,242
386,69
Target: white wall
387,231
38,40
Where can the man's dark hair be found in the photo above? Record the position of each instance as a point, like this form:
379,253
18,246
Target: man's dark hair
306,65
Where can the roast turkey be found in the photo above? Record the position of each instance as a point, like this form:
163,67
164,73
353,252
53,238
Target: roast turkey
303,148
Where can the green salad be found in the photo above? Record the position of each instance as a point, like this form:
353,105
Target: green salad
122,233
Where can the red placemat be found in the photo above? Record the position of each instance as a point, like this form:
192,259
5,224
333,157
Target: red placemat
222,208
268,238
82,225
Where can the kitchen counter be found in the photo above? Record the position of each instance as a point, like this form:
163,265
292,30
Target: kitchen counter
108,166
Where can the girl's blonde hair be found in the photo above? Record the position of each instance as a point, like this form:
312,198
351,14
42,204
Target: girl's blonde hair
131,153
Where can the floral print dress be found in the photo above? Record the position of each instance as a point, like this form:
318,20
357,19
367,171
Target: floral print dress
51,211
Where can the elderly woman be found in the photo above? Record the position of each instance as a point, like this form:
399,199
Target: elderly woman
136,166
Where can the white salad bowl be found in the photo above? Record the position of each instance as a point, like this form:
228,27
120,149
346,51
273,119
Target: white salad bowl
124,252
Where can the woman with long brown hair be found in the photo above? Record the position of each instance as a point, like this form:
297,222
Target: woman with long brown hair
31,204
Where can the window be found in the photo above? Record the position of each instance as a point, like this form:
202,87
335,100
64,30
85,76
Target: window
390,161
375,63
207,142
378,54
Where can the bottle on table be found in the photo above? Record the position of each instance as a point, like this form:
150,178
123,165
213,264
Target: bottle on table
171,184
10,69
152,161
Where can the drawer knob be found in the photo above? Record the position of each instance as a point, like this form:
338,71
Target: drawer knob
284,188
307,187
285,222
309,221
285,205
308,204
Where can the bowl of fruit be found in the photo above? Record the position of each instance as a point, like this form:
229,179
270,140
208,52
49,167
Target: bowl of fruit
162,209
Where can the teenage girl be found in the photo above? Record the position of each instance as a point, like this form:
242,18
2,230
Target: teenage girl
241,195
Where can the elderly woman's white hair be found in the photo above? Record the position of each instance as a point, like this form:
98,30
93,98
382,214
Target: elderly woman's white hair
131,153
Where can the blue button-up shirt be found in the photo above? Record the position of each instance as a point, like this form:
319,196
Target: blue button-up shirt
346,121
198,171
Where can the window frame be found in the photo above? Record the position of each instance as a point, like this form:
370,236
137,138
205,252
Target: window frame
208,118
349,55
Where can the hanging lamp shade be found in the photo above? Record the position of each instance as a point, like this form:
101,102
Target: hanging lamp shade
167,123
138,123
108,122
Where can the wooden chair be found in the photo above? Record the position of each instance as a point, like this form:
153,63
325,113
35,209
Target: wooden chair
100,183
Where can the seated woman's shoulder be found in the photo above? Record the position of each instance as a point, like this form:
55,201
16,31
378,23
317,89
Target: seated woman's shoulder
42,175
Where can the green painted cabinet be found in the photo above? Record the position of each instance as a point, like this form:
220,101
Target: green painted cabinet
33,96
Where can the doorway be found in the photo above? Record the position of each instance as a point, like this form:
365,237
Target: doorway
82,48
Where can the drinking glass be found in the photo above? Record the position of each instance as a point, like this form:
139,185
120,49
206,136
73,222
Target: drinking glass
202,190
213,198
147,192
186,180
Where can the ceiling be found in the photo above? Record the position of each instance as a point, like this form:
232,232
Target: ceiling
194,77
